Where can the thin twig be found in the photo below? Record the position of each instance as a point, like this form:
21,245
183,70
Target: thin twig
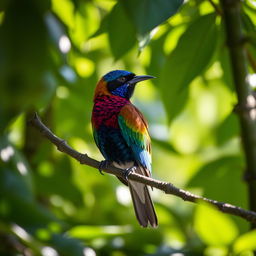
216,7
166,187
251,59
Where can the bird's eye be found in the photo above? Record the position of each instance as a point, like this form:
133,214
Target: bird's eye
121,79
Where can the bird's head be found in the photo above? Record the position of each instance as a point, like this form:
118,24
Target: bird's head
119,83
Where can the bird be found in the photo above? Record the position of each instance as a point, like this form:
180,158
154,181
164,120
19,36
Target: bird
121,133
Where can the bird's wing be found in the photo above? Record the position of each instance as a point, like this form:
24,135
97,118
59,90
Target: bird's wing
95,136
134,129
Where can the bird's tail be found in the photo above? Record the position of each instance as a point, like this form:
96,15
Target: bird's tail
143,205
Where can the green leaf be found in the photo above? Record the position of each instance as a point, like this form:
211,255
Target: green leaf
3,5
158,56
67,246
213,227
103,27
221,180
189,59
228,129
60,172
65,11
247,23
92,232
121,32
225,173
15,174
245,242
18,204
24,59
224,59
165,145
147,14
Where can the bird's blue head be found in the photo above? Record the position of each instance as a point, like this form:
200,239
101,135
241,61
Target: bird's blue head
122,83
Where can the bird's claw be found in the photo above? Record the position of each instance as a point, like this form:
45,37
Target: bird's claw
103,164
128,171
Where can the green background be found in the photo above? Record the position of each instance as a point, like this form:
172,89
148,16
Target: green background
52,53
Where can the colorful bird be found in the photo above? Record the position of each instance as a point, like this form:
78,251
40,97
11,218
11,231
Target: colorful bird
121,134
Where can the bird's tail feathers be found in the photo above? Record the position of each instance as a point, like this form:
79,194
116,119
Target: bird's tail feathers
143,205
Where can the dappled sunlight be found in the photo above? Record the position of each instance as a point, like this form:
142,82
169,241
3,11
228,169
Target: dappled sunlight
64,44
214,72
16,131
21,232
171,39
68,73
62,92
145,91
174,168
252,2
89,252
99,233
123,195
251,78
118,242
159,131
45,169
49,251
22,168
6,153
251,103
207,109
80,145
84,67
65,205
185,138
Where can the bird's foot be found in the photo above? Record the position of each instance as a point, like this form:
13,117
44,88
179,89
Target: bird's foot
128,171
103,164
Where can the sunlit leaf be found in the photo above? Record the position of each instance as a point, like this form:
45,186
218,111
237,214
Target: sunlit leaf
103,27
121,32
90,232
87,21
245,242
213,227
147,14
189,59
158,56
65,10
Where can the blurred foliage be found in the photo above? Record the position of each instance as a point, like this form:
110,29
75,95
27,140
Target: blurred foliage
52,52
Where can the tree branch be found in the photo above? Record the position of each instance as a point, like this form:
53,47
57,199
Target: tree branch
216,7
166,187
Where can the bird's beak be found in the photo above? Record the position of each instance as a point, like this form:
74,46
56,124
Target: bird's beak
137,79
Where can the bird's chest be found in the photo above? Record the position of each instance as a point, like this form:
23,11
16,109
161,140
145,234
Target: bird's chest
105,112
